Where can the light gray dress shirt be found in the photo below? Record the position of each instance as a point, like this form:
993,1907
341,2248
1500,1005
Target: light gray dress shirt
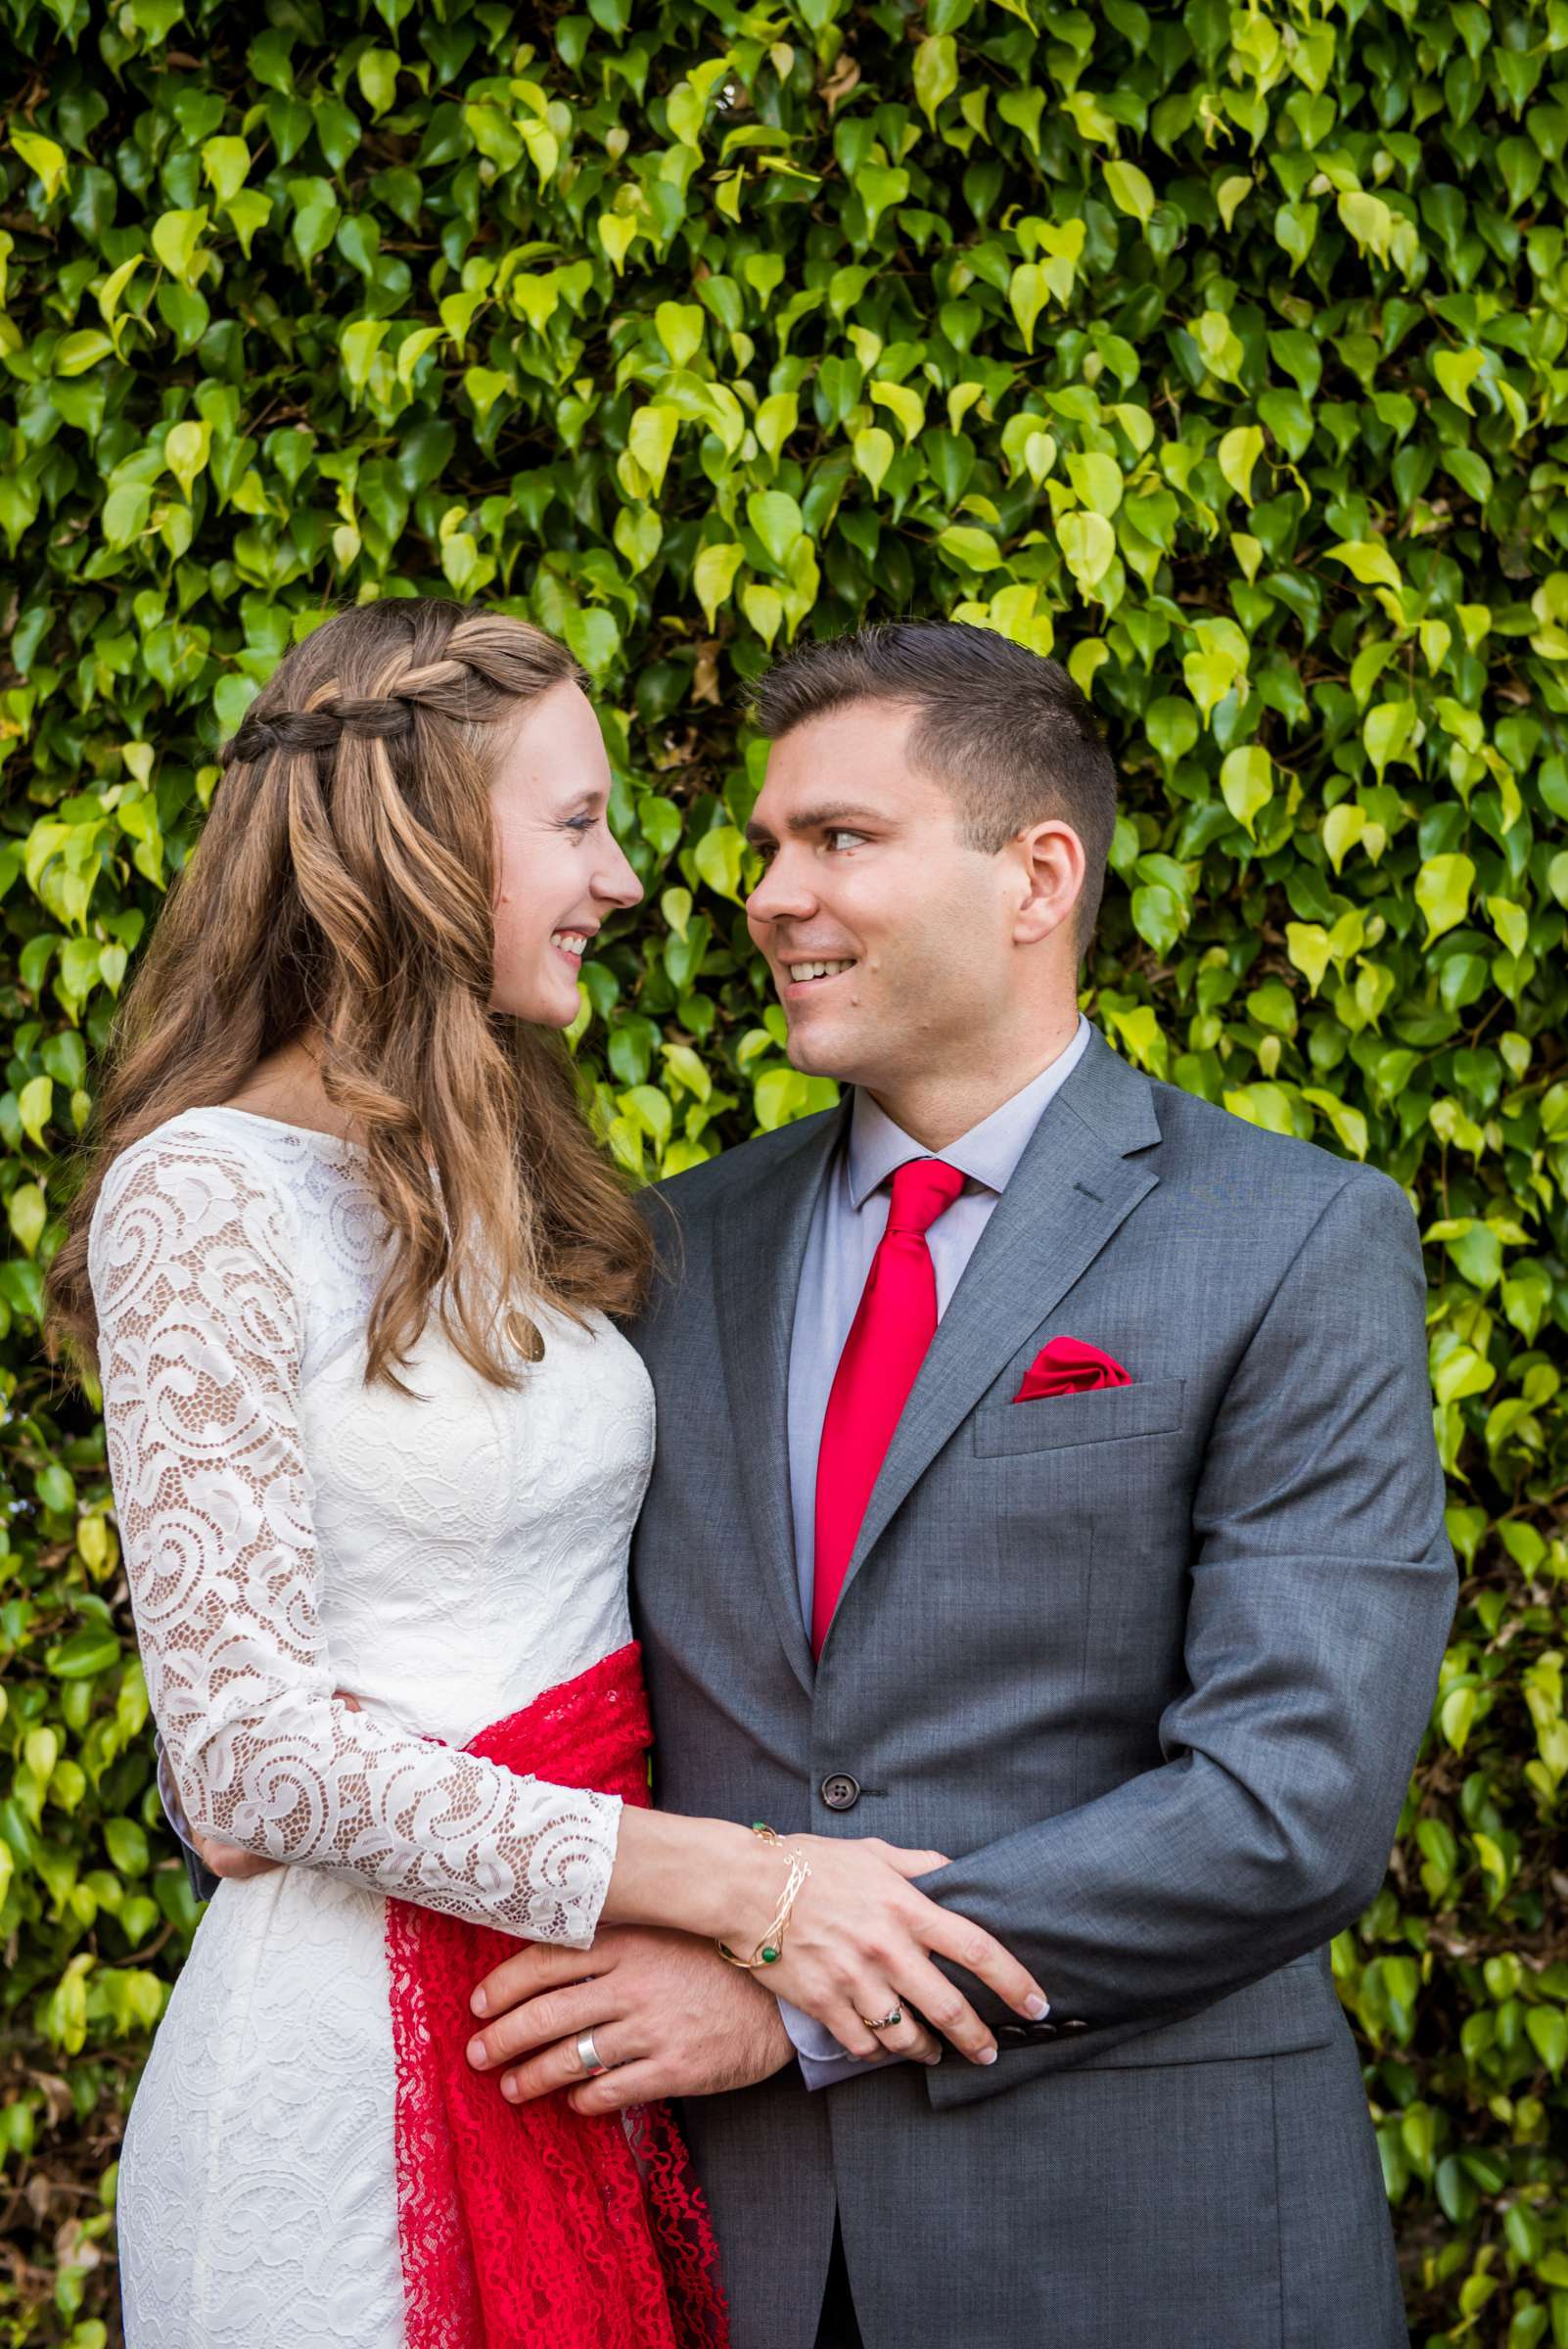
849,1221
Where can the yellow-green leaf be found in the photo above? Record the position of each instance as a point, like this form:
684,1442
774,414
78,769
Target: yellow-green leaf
177,241
1097,479
1456,371
42,155
650,439
936,73
1027,290
1247,784
909,408
976,551
1442,888
1088,548
679,327
1238,452
34,1107
873,454
1130,189
1368,561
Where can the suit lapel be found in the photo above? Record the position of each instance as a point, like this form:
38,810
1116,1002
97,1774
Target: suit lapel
1075,1184
759,1244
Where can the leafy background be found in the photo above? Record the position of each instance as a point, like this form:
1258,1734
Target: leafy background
1221,349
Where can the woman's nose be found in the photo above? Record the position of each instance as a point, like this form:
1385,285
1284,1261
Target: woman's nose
618,883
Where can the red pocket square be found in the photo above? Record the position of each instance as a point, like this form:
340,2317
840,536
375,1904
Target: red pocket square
1070,1367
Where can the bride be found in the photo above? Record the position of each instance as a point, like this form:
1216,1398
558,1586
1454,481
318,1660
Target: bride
349,1263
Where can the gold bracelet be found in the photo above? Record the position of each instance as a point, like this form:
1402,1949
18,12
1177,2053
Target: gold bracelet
771,1948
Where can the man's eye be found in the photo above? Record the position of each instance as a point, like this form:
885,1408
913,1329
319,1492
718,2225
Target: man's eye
836,838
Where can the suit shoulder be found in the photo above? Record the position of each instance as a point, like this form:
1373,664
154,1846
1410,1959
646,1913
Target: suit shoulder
1207,1145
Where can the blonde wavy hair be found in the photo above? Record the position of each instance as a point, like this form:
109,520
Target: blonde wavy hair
343,888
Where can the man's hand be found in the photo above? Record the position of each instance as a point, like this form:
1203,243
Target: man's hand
667,2015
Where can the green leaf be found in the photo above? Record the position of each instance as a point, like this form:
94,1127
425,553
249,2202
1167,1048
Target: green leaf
1130,190
1238,452
1387,732
316,214
126,1846
28,1213
1027,291
1247,784
1547,2028
1088,548
713,575
776,518
718,857
873,454
225,165
1443,888
177,241
1097,480
971,549
35,1107
75,354
650,440
595,639
679,326
1456,372
907,405
1368,561
936,73
84,1655
42,155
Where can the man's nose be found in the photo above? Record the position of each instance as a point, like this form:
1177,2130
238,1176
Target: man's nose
783,893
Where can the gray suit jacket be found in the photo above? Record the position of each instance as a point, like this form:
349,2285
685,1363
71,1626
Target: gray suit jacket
1152,1663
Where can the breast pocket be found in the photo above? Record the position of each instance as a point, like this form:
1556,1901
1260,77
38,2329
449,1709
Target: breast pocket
1103,1415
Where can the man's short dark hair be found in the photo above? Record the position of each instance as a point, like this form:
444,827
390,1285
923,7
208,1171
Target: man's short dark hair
1007,732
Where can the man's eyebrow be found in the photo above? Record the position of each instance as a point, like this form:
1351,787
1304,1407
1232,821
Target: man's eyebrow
820,819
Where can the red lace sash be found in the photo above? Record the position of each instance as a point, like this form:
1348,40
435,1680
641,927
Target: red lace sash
534,2227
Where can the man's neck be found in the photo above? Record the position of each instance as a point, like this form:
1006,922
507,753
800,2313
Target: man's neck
936,1108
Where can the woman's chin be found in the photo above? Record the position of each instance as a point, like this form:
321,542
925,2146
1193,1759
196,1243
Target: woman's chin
555,1005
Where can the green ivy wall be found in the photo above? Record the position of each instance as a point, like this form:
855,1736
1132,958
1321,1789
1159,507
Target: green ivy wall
1219,349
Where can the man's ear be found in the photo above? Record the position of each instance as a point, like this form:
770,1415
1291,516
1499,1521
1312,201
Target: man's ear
1051,867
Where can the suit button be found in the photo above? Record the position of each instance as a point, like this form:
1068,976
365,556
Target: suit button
840,1792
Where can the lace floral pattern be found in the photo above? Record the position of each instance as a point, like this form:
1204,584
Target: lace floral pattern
198,1272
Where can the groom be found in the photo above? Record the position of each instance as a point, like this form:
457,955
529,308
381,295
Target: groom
1046,1477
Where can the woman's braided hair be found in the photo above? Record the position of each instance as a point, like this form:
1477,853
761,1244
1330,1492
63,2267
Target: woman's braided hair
319,729
344,889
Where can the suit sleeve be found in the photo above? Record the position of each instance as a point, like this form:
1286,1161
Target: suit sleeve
1322,1588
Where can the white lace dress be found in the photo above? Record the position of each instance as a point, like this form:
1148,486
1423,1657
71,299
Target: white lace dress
289,1532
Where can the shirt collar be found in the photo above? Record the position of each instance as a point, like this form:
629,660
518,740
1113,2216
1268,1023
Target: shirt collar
987,1154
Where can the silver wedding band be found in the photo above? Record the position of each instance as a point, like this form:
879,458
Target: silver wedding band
588,2055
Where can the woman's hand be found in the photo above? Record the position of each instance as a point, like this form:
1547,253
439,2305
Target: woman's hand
860,1941
227,1861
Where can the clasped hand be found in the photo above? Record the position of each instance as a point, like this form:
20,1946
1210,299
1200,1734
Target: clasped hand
671,2017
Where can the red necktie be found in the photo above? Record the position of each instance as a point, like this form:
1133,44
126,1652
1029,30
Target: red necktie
886,1344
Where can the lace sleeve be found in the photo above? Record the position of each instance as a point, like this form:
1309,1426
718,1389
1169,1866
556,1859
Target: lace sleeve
196,1276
